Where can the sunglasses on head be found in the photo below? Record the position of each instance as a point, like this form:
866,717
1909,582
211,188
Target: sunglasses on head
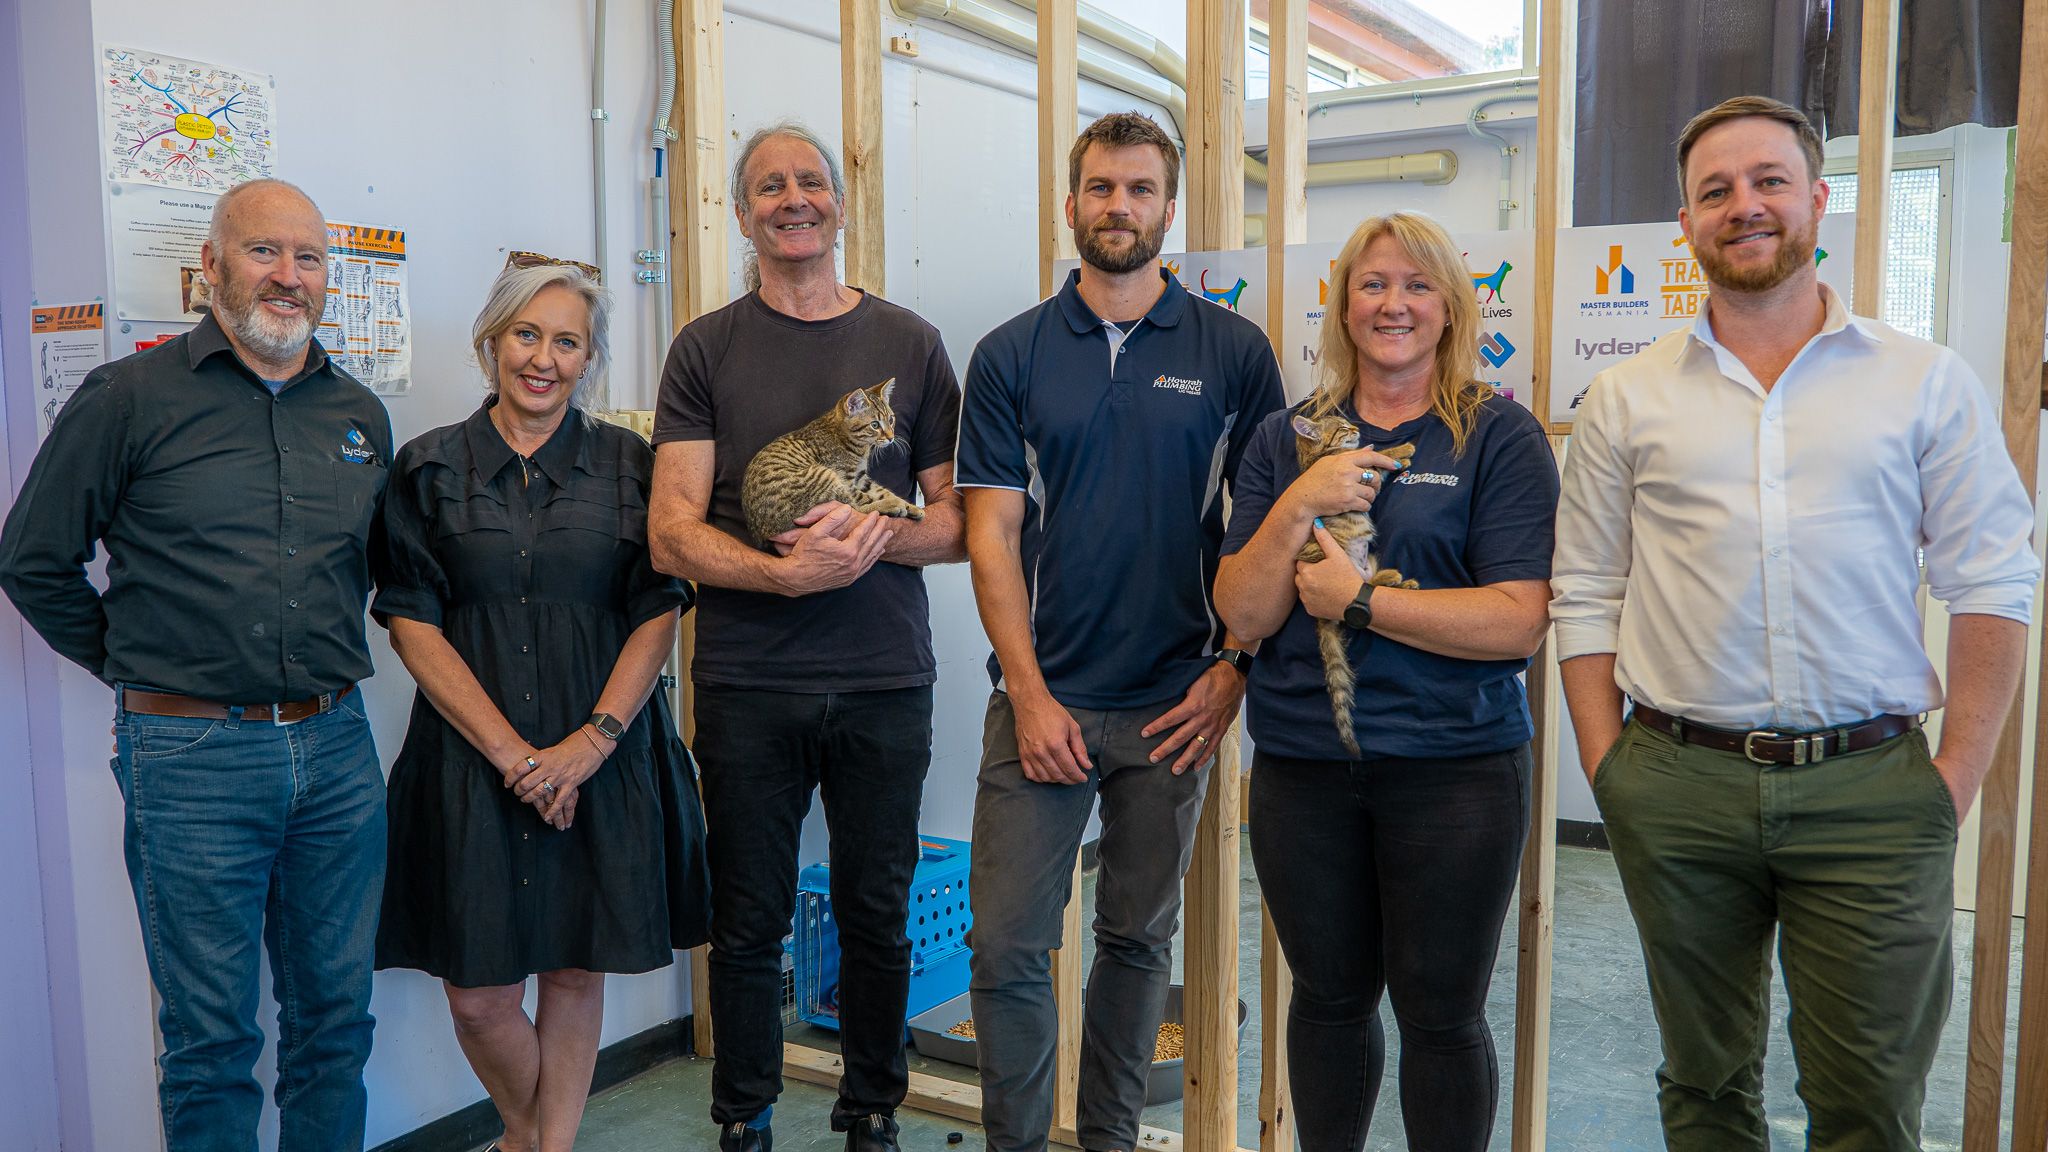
518,259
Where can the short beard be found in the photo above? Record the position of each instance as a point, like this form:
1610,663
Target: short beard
1795,251
274,338
1143,250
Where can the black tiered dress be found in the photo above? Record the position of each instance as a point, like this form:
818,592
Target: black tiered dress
537,571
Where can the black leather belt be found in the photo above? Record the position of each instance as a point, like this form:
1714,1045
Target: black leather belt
1764,746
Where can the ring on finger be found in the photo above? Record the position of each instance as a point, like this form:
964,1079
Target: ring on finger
1199,739
1368,476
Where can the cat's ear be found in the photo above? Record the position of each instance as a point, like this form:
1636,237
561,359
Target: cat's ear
1306,428
881,392
857,402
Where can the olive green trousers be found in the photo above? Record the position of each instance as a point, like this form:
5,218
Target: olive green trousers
1849,863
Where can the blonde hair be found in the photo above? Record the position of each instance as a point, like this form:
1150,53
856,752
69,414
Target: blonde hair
513,290
1455,389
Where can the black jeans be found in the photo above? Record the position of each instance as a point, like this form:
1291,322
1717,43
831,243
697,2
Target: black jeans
761,754
1391,875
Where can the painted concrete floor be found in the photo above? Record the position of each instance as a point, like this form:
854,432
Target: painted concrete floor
1603,1052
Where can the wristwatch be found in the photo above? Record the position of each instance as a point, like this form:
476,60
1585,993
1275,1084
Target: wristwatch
1237,658
1358,613
607,725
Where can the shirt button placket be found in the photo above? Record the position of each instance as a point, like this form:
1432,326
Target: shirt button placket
1774,508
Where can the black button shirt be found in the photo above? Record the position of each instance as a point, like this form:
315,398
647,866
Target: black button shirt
236,523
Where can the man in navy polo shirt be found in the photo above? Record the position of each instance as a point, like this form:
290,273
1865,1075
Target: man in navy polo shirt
1096,433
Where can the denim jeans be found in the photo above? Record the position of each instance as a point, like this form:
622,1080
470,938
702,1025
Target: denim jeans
244,831
1025,838
1391,875
760,754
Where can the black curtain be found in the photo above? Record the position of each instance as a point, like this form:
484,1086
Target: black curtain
1647,66
1959,63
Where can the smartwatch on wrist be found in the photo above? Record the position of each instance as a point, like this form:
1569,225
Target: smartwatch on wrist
1237,658
607,725
1358,613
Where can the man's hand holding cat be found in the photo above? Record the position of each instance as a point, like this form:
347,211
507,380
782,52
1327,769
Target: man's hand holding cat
833,552
786,542
1327,586
1333,485
1049,742
1200,719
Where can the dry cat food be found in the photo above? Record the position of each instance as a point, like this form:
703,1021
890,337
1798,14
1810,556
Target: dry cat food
1172,1043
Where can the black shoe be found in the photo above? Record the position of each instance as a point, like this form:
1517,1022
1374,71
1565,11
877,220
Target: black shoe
737,1137
876,1133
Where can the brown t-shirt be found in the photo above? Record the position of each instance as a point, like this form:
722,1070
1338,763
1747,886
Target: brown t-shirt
745,374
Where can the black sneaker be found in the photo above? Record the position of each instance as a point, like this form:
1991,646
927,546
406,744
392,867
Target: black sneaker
876,1133
737,1137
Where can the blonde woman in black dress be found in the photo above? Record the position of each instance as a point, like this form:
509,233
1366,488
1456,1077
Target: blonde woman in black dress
542,816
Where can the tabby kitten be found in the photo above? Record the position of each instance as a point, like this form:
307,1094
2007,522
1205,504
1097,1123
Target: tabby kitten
1354,532
824,460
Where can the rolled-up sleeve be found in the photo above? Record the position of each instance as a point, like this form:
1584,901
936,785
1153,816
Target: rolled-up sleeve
1976,522
1589,572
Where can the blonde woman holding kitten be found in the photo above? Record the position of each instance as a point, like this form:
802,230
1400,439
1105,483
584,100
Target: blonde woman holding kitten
1387,848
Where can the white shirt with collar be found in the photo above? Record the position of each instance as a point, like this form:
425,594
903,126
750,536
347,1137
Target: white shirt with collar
1751,557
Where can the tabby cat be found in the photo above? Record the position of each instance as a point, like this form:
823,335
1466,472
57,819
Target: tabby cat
1354,532
822,461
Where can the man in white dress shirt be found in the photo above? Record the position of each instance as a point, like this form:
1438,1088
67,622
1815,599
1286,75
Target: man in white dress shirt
1744,510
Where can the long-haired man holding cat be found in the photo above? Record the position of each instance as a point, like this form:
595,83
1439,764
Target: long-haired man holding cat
1746,507
1096,433
813,666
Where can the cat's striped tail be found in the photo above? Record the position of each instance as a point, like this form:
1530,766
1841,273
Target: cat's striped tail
1339,679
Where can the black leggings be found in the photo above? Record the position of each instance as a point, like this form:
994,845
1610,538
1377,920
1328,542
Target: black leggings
1391,875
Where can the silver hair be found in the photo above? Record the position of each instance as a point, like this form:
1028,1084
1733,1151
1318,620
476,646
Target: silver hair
513,290
217,229
750,263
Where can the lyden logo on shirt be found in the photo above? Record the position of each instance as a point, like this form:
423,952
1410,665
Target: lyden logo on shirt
356,449
1446,479
1188,387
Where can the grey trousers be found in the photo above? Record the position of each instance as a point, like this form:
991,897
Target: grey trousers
1025,838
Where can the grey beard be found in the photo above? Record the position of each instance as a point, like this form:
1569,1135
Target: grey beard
271,338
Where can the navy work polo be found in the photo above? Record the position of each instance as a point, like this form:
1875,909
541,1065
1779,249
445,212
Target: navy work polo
1121,442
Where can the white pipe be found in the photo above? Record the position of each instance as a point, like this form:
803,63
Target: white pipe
1438,167
597,172
1375,95
1507,150
664,132
597,118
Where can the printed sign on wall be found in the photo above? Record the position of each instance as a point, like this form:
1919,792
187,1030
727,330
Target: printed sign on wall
1621,287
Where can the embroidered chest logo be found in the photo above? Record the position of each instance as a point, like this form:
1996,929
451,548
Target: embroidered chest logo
1447,479
1175,383
355,448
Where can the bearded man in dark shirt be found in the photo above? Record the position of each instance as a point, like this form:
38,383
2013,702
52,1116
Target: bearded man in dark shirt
232,474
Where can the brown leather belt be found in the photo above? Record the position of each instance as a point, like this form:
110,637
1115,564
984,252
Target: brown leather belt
1764,746
172,704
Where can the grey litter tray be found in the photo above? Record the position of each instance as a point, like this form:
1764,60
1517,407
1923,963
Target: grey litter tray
928,1035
